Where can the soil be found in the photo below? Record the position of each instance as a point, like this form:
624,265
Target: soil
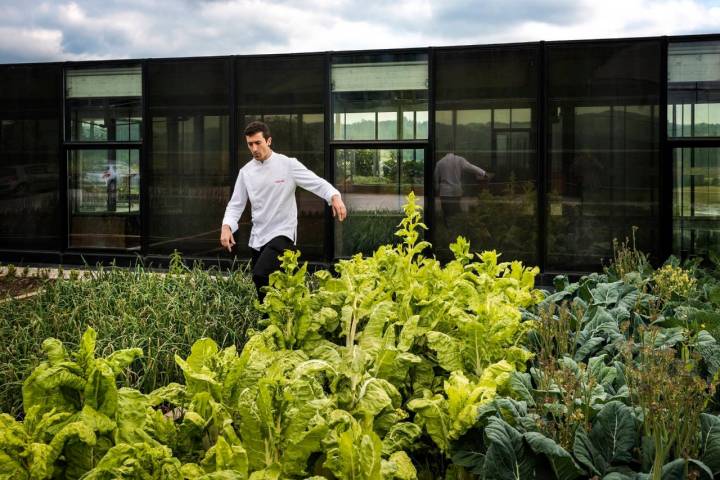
14,286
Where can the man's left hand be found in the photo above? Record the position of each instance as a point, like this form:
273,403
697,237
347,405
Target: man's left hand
338,208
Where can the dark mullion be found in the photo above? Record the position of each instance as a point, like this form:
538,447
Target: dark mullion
665,157
63,184
233,124
145,158
429,163
328,154
541,156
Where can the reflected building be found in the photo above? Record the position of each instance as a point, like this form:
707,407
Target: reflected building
584,141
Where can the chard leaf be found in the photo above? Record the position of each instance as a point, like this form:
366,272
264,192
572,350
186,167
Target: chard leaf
398,466
100,390
53,387
431,413
121,359
73,441
353,452
375,395
448,349
401,436
139,460
304,423
55,351
85,355
223,456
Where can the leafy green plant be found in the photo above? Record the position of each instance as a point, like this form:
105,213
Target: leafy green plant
161,314
364,375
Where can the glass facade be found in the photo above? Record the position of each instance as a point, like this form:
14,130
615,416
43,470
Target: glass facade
374,183
287,93
189,166
380,97
544,152
693,115
694,89
603,135
485,161
104,198
103,105
696,200
376,99
30,213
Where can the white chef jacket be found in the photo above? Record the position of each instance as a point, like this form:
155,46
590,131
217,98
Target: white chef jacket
270,187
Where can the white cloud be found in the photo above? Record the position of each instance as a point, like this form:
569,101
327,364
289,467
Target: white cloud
67,30
21,44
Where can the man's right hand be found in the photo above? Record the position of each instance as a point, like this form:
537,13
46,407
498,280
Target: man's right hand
226,238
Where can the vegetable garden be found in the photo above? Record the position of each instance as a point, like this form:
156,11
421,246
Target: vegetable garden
397,367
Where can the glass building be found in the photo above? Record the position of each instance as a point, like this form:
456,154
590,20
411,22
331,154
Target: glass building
543,151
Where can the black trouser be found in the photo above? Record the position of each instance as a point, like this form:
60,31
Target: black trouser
265,261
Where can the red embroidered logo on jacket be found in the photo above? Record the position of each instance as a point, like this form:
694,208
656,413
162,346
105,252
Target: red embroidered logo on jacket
280,181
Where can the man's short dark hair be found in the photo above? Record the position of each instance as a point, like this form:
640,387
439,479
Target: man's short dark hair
255,127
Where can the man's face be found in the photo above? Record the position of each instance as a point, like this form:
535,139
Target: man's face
259,146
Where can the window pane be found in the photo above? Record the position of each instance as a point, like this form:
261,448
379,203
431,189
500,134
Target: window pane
484,123
189,164
104,198
104,104
374,183
372,92
694,89
603,151
29,148
696,201
293,107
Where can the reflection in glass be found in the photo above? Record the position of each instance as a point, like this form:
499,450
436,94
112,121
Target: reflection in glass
104,198
380,98
485,158
29,143
696,201
374,183
104,104
293,107
603,151
189,173
694,89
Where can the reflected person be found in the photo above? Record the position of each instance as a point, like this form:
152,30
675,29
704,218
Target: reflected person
447,178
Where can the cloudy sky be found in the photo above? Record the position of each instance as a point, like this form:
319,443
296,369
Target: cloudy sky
34,31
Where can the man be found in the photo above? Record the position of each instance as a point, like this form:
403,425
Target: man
448,183
269,181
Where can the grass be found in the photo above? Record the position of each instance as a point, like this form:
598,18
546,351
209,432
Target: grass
162,314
